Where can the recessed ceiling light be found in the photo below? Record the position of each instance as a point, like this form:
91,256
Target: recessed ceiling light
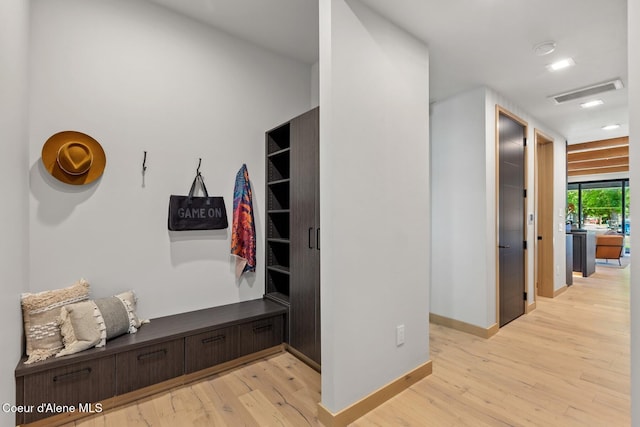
593,103
544,48
559,65
610,127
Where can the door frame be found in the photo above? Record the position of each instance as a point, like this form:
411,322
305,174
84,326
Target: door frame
498,111
547,182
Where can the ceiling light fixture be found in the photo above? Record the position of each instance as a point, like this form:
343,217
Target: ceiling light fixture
559,65
591,104
610,127
544,48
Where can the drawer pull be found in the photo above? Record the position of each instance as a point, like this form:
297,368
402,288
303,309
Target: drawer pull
262,328
214,339
85,371
158,353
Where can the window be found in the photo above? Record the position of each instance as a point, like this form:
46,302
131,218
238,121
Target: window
601,206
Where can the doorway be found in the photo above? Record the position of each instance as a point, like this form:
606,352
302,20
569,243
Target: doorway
511,140
544,179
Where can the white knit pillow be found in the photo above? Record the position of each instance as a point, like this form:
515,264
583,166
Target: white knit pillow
40,312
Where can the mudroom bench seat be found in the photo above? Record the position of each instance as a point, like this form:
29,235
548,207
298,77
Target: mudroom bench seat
168,352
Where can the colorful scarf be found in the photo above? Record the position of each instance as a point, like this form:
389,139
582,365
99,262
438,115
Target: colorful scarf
243,231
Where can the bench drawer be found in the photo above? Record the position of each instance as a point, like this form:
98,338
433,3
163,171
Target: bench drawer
261,334
71,385
149,365
210,348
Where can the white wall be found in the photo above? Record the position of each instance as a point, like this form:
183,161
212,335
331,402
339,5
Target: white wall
137,77
459,213
374,181
14,20
464,208
634,161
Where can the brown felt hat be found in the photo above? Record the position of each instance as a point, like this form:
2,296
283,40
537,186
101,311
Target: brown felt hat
73,157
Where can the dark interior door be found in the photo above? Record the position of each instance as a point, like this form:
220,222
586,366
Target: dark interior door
511,218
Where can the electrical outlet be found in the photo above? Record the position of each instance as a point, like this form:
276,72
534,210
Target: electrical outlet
399,335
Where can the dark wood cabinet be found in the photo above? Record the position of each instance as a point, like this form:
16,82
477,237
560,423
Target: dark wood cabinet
293,234
165,349
210,348
149,365
305,245
260,334
84,382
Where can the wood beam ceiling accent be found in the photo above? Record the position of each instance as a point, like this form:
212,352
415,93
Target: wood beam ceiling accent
594,145
605,153
598,171
596,157
603,163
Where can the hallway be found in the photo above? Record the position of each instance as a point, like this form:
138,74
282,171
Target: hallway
564,364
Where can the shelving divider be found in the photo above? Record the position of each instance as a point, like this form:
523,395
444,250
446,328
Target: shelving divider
278,180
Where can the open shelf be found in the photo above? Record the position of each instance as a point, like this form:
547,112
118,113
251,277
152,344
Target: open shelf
278,139
278,166
278,297
279,152
278,282
277,226
278,185
279,182
279,269
278,254
278,240
278,195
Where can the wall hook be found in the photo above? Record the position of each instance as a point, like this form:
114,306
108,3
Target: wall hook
144,163
199,163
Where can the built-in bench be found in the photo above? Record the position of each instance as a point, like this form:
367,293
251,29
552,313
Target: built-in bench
165,353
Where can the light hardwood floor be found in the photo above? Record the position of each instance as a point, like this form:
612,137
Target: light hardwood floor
564,364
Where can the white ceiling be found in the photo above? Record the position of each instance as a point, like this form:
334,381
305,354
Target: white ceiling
288,27
471,43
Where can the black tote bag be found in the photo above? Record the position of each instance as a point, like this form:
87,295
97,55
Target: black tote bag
197,213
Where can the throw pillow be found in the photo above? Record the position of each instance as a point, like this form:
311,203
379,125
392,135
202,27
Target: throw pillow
40,312
91,323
